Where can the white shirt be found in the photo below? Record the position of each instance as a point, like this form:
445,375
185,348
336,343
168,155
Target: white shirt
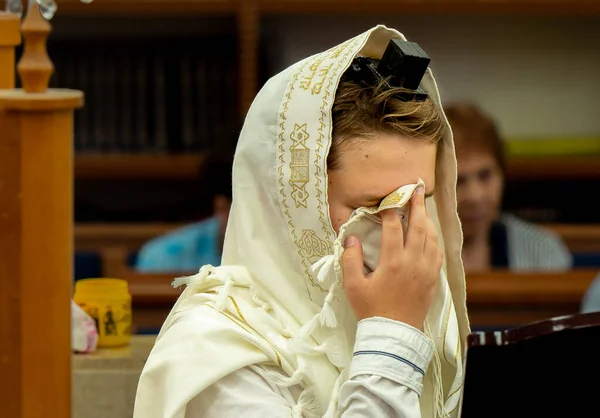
385,380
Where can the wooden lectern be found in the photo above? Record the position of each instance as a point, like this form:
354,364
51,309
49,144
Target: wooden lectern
36,226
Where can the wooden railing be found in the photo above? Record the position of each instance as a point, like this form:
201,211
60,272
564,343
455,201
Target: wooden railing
499,298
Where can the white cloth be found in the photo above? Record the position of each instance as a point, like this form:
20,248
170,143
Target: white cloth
263,307
385,380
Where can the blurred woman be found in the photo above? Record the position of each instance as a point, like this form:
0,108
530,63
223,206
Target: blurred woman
493,239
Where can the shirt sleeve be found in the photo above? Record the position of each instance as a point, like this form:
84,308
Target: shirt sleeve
385,380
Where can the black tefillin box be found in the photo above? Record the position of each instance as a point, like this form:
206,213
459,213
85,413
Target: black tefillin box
403,65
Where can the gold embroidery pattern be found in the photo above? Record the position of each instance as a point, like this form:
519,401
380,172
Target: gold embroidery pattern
392,199
319,153
281,158
312,247
299,164
307,83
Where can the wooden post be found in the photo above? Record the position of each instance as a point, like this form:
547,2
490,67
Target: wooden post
10,37
36,234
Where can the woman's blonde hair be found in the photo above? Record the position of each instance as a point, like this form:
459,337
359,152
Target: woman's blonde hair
361,112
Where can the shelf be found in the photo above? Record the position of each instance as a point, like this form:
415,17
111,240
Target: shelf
531,7
186,166
184,7
555,167
137,166
145,7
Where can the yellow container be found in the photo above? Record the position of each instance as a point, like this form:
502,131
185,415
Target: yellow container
108,302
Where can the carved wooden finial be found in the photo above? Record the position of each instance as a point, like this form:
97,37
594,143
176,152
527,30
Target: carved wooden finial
35,67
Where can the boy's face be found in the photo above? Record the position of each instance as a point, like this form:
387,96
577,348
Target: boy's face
370,169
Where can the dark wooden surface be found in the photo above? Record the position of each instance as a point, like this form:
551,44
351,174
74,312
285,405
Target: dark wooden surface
499,298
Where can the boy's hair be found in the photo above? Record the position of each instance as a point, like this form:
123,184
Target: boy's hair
361,112
474,130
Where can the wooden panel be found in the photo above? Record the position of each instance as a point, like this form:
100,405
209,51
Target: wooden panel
137,166
542,168
495,298
186,166
95,236
578,238
10,36
143,7
185,7
528,7
535,288
510,299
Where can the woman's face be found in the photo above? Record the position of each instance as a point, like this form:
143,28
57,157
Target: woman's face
368,170
479,191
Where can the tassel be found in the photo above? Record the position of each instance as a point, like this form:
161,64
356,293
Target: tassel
302,347
197,278
223,295
308,405
327,315
309,327
297,411
322,268
332,348
279,379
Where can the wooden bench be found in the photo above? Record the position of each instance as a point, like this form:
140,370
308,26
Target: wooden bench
503,298
498,298
115,242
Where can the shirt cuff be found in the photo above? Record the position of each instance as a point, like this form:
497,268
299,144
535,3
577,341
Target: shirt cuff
393,350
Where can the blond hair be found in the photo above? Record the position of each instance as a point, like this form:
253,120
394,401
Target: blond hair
361,112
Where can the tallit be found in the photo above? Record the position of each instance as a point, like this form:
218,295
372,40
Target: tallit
265,304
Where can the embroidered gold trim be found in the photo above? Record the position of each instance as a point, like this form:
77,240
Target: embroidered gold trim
446,333
450,396
392,199
300,151
299,164
312,246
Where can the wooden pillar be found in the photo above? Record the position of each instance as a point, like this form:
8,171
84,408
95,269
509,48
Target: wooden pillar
10,37
36,234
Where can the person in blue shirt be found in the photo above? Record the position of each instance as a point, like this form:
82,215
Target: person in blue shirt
188,248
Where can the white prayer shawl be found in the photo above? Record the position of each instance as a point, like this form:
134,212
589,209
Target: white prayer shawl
264,305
